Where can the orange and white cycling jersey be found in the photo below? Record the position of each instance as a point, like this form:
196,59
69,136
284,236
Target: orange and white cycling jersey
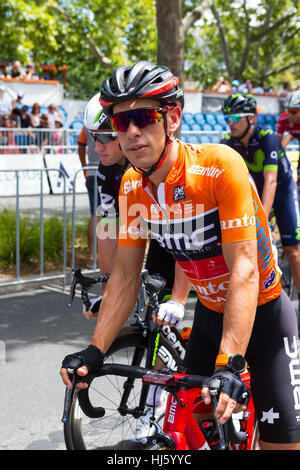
208,199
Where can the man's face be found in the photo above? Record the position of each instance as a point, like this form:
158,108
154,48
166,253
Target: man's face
294,115
109,152
238,123
142,146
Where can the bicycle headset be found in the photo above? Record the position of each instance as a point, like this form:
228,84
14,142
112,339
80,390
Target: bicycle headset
240,103
143,80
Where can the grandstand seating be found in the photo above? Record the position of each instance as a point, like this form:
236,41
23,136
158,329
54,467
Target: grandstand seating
212,126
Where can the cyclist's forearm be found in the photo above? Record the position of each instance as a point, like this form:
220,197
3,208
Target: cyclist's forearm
117,304
181,286
106,257
119,297
241,302
269,191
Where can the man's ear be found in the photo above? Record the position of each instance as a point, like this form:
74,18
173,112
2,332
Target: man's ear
174,119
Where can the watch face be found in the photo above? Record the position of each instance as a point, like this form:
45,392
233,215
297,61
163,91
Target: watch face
237,363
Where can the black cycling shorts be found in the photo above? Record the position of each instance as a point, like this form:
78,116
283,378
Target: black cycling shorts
274,363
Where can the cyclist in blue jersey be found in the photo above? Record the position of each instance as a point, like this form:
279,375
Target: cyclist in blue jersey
271,170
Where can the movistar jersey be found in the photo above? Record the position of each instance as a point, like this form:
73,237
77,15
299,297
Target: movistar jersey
264,152
207,200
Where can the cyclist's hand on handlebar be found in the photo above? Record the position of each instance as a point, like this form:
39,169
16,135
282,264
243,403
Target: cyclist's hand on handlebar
94,308
169,313
81,363
234,395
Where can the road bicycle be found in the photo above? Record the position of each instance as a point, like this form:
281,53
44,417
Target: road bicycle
143,343
180,430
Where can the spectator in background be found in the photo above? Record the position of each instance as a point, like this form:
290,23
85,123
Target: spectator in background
53,115
235,86
58,136
259,89
30,73
245,87
35,115
6,102
285,90
7,137
25,118
222,86
44,136
16,71
19,101
15,116
86,142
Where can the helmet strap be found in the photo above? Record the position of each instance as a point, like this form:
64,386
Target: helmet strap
247,129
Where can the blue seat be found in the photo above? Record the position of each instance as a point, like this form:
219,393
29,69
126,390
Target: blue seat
196,127
210,118
192,139
215,139
218,127
188,118
207,127
199,119
77,124
261,120
220,119
205,138
185,126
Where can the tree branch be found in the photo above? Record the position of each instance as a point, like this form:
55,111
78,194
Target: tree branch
282,69
195,15
98,54
223,40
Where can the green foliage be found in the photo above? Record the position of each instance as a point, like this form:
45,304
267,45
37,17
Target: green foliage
260,39
30,238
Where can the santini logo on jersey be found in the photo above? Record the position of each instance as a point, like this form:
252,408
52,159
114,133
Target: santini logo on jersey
211,171
131,185
244,221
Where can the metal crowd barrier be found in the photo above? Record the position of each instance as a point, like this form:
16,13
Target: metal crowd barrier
40,137
41,276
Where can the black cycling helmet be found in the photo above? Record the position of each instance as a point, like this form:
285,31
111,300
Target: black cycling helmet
142,80
239,103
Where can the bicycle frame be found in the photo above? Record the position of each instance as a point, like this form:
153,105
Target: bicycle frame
181,425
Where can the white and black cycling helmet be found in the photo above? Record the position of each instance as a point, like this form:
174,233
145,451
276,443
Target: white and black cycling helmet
293,100
94,117
143,80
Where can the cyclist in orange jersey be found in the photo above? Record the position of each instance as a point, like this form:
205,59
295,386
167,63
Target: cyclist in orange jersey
201,205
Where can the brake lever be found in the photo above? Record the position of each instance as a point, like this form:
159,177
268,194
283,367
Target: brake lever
214,391
69,394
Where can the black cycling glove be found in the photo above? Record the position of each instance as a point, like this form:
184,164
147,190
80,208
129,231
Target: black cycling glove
231,384
91,357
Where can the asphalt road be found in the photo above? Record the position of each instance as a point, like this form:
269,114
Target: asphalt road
36,331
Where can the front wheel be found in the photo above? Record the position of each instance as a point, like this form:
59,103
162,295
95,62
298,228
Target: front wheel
115,429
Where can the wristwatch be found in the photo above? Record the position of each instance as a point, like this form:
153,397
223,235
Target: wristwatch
234,362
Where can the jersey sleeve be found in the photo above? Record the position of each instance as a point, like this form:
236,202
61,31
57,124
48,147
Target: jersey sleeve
233,194
82,137
271,148
280,127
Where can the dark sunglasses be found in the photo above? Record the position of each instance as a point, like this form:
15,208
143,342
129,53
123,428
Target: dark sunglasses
104,137
141,117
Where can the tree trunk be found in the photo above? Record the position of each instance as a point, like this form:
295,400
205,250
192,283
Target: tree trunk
170,36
